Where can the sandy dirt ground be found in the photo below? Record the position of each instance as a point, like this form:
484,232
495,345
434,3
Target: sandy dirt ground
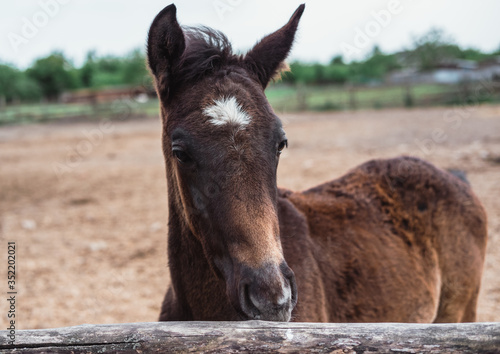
86,203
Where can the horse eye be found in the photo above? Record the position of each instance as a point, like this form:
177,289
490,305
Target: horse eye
181,155
282,145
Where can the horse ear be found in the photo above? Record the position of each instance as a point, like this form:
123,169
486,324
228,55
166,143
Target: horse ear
165,43
266,57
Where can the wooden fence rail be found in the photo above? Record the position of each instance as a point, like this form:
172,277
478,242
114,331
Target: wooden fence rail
258,337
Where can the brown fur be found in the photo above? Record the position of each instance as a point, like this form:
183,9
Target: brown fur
393,240
406,243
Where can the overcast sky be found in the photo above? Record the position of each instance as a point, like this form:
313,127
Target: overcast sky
33,28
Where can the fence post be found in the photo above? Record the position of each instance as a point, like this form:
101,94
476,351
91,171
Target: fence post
301,97
258,337
352,97
408,96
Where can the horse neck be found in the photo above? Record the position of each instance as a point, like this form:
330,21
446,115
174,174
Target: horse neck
197,290
184,249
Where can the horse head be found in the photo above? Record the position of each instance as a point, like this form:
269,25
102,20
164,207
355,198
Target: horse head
222,142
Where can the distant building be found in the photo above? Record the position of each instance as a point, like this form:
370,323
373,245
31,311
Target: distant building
92,96
452,72
490,69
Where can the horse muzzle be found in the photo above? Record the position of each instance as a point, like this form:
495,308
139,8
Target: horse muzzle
266,293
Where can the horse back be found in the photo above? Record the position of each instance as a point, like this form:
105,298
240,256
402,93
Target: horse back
392,240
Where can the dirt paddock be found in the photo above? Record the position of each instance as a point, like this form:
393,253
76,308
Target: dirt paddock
86,203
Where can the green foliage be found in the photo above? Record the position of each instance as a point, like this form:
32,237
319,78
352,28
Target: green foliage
54,75
337,73
112,70
88,70
380,64
27,89
49,77
134,68
473,54
17,86
337,60
434,48
299,73
107,71
429,50
374,68
8,75
317,74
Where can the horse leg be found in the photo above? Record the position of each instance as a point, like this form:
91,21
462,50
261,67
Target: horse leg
170,309
166,306
459,294
470,310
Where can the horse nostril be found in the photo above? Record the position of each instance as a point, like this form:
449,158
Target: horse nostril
290,276
293,288
267,293
247,305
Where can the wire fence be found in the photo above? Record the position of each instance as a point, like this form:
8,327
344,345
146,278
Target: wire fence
327,98
120,109
283,99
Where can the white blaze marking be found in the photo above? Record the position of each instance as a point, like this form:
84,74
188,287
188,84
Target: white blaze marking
227,111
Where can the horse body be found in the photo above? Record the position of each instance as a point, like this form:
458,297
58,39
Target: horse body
376,245
393,240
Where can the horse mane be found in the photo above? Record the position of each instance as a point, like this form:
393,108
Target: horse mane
207,51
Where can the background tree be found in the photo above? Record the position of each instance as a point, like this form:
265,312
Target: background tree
15,85
134,68
108,72
50,76
54,74
376,66
88,70
432,49
8,76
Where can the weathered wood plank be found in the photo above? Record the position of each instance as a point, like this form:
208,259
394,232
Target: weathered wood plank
259,336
